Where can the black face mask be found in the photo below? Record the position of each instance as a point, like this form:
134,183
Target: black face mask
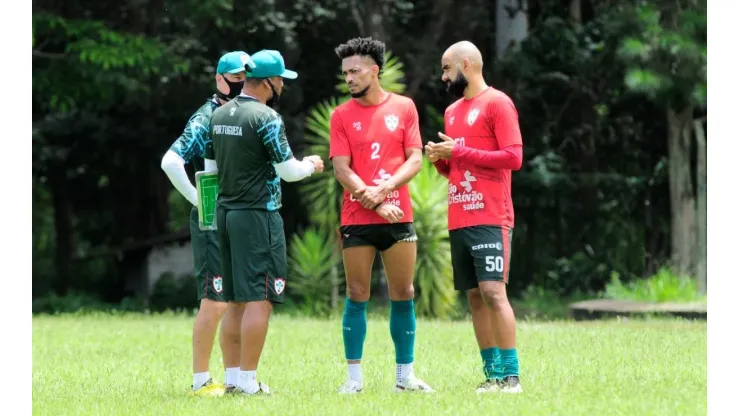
457,86
235,88
275,99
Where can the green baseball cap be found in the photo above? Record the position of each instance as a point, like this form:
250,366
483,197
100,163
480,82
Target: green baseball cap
233,62
269,63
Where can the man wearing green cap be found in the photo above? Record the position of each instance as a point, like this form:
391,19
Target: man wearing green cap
252,154
191,147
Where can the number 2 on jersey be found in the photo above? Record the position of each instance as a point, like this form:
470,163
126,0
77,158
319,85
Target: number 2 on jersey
376,150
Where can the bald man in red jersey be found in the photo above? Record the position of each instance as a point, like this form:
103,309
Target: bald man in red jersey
481,146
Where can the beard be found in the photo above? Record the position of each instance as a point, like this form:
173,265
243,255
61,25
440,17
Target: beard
360,93
457,86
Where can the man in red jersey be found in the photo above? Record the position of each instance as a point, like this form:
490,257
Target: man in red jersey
376,149
481,147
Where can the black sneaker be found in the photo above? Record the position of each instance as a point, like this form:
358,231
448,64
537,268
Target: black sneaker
511,384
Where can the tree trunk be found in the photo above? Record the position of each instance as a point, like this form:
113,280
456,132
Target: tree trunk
427,51
575,11
511,24
701,212
374,17
683,198
64,234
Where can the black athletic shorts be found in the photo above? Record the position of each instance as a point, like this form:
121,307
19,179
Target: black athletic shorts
480,253
380,236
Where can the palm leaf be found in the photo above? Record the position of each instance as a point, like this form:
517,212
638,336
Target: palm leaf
436,293
322,193
312,260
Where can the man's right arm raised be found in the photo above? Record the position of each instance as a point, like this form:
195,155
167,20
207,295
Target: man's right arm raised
272,133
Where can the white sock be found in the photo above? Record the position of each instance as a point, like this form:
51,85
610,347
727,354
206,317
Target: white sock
248,381
403,371
355,372
199,379
231,376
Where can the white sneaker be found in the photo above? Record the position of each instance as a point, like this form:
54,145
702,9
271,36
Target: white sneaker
412,383
511,385
489,386
261,389
350,387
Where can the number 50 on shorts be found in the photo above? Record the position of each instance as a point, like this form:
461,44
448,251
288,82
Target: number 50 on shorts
495,264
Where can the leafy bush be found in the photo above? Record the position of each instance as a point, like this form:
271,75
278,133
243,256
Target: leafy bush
314,271
540,303
433,280
664,286
70,303
171,293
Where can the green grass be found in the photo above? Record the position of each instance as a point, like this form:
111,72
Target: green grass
140,364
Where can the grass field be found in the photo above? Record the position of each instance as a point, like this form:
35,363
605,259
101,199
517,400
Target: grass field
140,364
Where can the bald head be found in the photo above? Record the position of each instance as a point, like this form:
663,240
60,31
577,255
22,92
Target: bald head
464,50
462,65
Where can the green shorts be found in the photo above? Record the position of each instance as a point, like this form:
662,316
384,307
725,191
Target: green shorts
206,261
480,253
253,254
380,236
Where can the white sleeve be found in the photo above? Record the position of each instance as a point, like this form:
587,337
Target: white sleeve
210,165
174,166
292,170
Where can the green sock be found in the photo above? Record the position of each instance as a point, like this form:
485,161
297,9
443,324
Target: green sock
403,330
491,363
354,328
498,371
509,362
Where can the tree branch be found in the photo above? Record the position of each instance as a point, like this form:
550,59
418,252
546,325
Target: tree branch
356,16
49,55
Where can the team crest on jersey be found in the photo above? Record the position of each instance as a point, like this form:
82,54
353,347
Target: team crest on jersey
357,125
472,116
218,284
391,122
279,285
452,120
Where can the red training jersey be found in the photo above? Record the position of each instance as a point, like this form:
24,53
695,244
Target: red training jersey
375,138
477,195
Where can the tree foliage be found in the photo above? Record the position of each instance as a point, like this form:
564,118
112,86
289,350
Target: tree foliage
113,85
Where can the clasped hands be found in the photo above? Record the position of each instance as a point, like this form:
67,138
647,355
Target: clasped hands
441,150
372,197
